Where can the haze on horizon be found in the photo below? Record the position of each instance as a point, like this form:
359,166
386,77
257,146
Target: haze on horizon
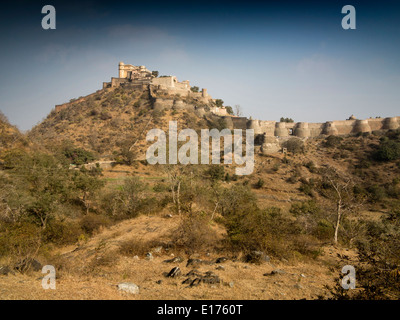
273,59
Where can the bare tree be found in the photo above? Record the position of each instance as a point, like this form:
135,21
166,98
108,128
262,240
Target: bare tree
238,110
341,193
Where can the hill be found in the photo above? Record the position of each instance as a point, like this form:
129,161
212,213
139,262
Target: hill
113,122
323,202
10,136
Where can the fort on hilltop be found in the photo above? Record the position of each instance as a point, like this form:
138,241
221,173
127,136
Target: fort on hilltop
164,91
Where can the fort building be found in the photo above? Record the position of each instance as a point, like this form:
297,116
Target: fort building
165,89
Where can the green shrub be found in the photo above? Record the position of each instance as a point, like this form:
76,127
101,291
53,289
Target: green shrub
294,145
376,193
259,184
92,222
78,156
388,151
306,207
333,141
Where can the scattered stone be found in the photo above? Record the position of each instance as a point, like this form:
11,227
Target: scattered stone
196,262
195,282
195,278
220,268
27,264
159,282
187,281
5,270
274,272
257,257
221,260
135,258
192,262
174,260
231,284
298,286
157,249
128,287
168,216
194,273
302,275
149,256
175,272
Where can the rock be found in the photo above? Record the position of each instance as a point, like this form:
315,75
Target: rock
193,272
298,286
27,264
135,258
274,272
128,287
302,275
5,270
220,268
149,256
174,260
157,249
257,257
195,278
168,216
231,284
159,282
221,260
175,272
195,282
194,262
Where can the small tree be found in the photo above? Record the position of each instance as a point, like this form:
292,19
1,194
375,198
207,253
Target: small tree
155,74
238,110
229,110
194,89
219,102
338,187
288,120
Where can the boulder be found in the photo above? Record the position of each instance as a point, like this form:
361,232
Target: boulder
128,287
257,257
28,264
5,270
175,272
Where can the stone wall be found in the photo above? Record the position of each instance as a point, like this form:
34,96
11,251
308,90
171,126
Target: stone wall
305,129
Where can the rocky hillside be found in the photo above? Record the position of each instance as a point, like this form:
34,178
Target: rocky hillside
113,122
10,137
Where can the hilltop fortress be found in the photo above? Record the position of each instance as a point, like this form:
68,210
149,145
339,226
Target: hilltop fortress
167,92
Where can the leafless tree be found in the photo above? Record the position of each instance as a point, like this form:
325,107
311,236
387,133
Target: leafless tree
238,110
341,193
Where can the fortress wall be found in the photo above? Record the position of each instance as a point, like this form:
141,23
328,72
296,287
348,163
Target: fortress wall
60,107
115,82
167,82
316,129
344,127
268,127
239,122
305,129
178,91
376,124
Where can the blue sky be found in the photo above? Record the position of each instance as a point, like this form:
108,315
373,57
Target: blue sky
273,58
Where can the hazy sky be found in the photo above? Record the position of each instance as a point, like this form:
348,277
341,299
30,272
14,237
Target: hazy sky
273,58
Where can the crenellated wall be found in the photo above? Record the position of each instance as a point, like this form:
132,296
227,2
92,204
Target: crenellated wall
305,129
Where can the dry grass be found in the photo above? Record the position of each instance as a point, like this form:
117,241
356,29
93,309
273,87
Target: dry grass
92,271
